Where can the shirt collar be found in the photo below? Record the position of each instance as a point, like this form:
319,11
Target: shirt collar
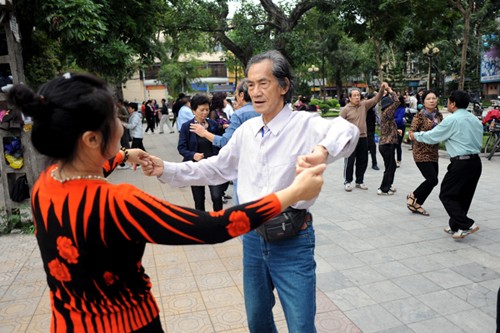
275,125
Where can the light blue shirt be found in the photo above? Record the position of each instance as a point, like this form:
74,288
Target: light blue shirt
185,115
461,132
239,117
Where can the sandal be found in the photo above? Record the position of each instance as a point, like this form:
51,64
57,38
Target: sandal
414,207
410,202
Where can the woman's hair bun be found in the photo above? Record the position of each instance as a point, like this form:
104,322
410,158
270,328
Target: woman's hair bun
25,99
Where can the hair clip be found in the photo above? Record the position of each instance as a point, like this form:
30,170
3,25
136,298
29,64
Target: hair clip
42,99
67,75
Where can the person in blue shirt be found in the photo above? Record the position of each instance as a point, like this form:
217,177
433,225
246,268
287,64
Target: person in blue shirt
399,117
462,134
185,115
242,114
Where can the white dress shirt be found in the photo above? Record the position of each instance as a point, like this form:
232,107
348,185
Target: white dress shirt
265,163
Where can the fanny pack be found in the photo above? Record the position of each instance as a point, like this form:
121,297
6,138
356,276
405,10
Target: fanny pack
285,225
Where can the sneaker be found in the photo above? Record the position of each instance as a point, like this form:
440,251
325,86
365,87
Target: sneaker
348,187
380,192
172,132
375,167
398,164
224,200
362,186
393,189
463,233
228,197
161,133
448,231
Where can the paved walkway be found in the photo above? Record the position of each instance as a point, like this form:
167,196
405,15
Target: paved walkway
380,268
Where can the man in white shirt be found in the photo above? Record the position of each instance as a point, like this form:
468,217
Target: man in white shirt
264,154
228,108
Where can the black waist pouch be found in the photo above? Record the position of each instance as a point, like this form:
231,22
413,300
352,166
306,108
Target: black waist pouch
283,226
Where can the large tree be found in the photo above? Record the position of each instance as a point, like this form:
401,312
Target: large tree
106,37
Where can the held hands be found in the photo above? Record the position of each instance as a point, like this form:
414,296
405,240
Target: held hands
400,132
316,157
153,167
137,157
308,183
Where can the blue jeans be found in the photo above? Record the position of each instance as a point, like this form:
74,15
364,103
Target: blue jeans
289,266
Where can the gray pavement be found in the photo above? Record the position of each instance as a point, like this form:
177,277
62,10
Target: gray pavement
380,267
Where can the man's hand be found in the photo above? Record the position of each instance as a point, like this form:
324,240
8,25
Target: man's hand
198,156
135,156
198,129
152,166
400,132
316,157
384,86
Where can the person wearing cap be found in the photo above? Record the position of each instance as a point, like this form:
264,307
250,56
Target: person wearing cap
462,134
388,141
355,113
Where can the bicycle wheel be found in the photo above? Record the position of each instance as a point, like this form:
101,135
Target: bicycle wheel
496,146
488,146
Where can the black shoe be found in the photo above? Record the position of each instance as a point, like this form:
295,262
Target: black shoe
225,196
374,167
224,200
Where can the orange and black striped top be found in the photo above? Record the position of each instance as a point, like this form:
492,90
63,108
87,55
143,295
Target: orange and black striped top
92,236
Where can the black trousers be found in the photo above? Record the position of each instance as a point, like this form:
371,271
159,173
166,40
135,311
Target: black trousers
430,172
387,152
151,124
372,147
216,192
360,157
457,190
400,140
137,143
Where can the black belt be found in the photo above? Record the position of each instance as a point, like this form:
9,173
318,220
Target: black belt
464,157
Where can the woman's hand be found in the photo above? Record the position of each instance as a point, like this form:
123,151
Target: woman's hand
318,156
198,156
135,155
152,166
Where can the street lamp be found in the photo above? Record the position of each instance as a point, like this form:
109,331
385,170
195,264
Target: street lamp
313,69
430,51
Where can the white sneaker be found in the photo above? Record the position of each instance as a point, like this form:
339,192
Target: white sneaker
362,186
463,233
124,167
393,189
380,192
348,187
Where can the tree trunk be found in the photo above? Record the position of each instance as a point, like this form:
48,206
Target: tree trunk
338,82
380,73
465,44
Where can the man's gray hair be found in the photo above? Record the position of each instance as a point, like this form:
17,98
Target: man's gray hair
243,88
354,89
281,70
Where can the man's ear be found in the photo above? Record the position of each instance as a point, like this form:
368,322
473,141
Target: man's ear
92,139
285,89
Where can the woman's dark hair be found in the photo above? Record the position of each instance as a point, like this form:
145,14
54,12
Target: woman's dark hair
427,92
401,101
65,108
217,101
198,100
132,105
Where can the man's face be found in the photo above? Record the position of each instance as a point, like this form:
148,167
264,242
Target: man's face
266,93
355,97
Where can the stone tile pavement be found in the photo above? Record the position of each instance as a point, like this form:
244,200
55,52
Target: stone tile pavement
380,267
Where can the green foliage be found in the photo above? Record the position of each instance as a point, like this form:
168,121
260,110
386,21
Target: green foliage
75,20
179,75
17,218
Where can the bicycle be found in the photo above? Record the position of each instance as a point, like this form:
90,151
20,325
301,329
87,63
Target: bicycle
492,144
